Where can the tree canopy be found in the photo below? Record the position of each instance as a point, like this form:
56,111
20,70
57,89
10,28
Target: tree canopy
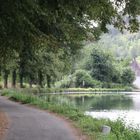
61,22
38,37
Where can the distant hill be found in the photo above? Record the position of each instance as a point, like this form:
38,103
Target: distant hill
123,45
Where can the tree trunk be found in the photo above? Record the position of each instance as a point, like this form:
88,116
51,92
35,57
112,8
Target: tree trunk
14,78
40,79
21,72
21,79
30,81
6,78
48,81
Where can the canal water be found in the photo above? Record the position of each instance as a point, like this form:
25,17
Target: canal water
113,107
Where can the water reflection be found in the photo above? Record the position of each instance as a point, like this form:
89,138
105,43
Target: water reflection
112,107
104,102
104,106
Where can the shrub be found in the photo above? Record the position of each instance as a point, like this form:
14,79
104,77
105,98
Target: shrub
66,82
128,76
83,79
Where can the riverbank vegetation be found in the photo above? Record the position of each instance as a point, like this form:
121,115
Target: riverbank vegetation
88,125
97,69
73,90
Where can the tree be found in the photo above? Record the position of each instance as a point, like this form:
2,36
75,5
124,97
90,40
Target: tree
61,20
128,76
101,65
51,63
7,65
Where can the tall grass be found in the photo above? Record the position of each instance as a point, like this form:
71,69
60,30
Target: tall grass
88,125
37,91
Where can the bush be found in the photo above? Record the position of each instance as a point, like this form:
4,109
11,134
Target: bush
83,79
80,78
112,85
66,82
128,76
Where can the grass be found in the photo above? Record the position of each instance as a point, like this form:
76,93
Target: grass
99,89
87,124
37,91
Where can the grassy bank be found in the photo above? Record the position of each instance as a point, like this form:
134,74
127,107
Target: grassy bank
88,125
74,90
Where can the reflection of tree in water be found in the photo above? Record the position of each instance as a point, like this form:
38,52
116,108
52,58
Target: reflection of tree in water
104,102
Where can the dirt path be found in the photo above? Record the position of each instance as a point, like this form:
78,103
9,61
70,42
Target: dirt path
32,124
3,124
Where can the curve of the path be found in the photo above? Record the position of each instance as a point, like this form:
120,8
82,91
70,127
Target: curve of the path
27,123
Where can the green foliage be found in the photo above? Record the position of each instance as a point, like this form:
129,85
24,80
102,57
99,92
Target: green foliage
123,133
80,78
123,46
66,82
83,79
1,86
59,22
128,76
38,37
100,89
105,69
101,65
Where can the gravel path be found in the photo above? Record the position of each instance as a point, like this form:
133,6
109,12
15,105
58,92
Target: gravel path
32,124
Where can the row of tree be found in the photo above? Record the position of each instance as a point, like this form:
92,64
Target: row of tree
31,28
45,65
